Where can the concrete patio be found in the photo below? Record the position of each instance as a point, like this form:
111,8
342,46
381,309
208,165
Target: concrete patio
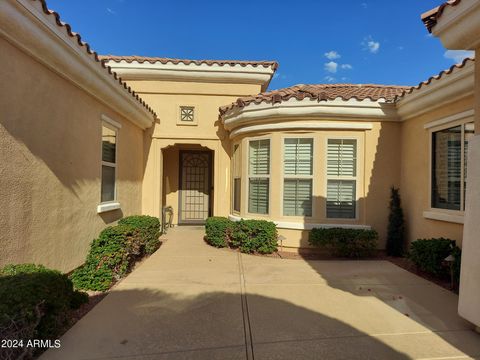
192,301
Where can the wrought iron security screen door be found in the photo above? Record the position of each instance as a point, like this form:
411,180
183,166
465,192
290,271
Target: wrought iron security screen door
195,180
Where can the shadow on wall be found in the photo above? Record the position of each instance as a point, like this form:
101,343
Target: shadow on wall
194,324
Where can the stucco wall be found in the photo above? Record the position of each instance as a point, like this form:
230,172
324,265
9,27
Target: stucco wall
378,167
166,97
416,174
50,165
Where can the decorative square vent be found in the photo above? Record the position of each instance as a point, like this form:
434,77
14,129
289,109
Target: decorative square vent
187,113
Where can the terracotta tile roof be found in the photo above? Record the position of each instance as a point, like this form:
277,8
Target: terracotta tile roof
153,60
441,75
431,17
321,92
92,53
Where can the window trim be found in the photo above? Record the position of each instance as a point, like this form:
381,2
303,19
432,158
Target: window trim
297,177
357,178
448,215
247,193
109,205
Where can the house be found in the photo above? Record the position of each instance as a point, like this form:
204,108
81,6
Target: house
87,139
457,24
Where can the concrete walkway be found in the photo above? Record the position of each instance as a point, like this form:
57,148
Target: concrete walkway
192,301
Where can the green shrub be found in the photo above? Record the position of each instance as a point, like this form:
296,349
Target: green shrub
217,230
396,225
254,236
110,258
149,228
352,243
35,301
249,236
429,255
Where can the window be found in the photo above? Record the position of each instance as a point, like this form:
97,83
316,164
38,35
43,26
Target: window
259,176
237,180
449,166
187,113
341,178
109,163
298,174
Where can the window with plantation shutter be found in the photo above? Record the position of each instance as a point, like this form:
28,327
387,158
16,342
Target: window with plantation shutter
298,173
259,176
449,164
341,178
237,179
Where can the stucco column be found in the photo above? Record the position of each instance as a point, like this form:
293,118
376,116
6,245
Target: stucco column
469,299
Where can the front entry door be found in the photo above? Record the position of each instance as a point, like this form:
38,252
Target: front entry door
195,184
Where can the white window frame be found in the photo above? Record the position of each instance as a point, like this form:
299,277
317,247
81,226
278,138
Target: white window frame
346,178
298,177
114,126
448,215
235,177
247,210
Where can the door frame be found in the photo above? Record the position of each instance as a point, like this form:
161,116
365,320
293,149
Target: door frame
180,183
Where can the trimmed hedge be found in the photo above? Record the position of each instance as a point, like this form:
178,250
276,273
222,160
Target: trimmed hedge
249,236
110,258
149,228
351,243
254,236
217,230
116,250
35,302
429,255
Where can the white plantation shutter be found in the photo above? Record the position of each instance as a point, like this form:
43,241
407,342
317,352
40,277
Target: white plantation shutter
297,197
258,196
259,181
341,182
298,156
259,157
342,157
341,199
298,170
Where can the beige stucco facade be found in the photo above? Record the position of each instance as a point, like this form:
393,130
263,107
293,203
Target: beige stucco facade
169,136
415,183
50,156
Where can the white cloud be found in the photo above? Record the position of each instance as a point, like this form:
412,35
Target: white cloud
346,67
332,55
111,11
330,78
458,55
331,67
364,5
371,45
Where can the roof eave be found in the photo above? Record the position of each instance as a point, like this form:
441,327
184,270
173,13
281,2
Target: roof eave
239,73
446,88
457,24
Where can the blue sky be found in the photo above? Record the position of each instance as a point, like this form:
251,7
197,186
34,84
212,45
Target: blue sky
314,41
